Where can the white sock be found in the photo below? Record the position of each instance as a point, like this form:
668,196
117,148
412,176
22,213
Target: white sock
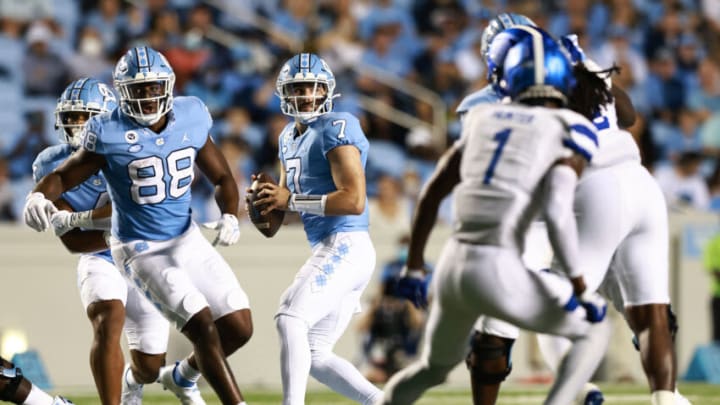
294,358
187,371
662,397
579,364
343,378
130,378
242,403
38,397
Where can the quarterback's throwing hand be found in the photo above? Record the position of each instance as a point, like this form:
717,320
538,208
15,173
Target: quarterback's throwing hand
37,211
228,230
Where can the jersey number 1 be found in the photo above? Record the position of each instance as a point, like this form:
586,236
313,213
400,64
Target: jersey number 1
501,138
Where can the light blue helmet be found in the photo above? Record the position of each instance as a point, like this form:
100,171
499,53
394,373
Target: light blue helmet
537,67
84,95
499,24
145,80
305,68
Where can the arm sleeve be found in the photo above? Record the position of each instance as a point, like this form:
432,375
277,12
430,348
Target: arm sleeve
559,195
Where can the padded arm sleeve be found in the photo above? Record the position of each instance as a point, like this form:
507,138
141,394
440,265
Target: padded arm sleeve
558,210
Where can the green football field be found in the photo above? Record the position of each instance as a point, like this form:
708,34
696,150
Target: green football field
698,394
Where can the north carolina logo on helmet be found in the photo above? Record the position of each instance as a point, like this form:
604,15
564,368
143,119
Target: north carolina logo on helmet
302,72
84,97
145,81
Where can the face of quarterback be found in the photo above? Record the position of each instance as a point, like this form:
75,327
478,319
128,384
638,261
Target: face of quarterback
308,95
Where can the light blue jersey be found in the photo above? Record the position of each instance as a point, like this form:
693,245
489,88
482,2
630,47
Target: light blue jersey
149,174
90,194
486,95
307,168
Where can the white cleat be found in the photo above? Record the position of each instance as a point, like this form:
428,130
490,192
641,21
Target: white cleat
680,399
130,395
188,393
58,400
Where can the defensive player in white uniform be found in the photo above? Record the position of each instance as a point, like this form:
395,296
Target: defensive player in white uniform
511,162
109,300
323,154
146,150
609,223
17,389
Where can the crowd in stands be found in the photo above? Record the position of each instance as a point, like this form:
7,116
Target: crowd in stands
228,53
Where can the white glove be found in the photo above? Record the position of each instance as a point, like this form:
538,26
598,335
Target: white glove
228,230
37,211
63,221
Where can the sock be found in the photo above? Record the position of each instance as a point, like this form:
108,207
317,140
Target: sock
662,397
243,403
294,358
186,371
343,378
579,364
38,397
130,379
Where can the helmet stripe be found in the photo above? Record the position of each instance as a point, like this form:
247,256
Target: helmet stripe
538,52
304,61
142,59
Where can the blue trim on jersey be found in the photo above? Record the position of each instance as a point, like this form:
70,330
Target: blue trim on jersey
577,148
583,130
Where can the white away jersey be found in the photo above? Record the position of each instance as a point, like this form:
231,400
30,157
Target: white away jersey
506,152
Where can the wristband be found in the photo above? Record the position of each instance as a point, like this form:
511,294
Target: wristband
311,204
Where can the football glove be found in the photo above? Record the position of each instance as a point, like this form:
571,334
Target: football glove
413,286
37,211
595,306
64,221
228,230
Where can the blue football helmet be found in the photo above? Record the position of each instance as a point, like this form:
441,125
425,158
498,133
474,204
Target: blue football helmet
298,74
145,80
537,67
570,42
84,96
499,24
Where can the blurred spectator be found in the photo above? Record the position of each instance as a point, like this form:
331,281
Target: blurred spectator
682,184
108,22
6,194
618,49
45,72
704,98
389,210
90,60
295,18
237,124
683,137
711,257
267,157
392,326
665,90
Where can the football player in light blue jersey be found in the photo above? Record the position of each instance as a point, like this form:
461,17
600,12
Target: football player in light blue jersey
109,300
323,154
146,149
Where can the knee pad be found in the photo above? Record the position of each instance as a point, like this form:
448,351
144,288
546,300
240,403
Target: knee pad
10,379
483,350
